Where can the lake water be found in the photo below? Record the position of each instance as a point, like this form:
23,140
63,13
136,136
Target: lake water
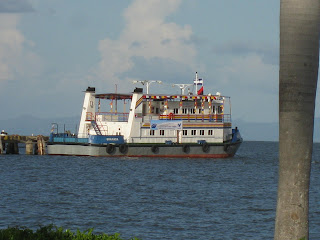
151,198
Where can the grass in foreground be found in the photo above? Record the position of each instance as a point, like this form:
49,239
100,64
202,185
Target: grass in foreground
51,232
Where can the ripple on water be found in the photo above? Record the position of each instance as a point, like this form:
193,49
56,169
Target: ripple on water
150,198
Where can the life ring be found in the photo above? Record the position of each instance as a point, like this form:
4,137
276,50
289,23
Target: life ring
171,116
155,149
205,147
110,148
186,148
123,148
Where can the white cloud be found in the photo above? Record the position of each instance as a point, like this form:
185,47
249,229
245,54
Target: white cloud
16,59
146,34
269,53
250,72
10,44
252,85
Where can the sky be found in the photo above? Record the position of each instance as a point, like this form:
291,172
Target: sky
52,50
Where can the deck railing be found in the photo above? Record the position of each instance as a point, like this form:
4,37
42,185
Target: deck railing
123,117
112,116
197,117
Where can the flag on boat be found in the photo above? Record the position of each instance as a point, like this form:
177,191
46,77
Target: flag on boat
200,91
198,82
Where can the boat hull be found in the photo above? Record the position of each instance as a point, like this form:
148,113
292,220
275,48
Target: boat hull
224,150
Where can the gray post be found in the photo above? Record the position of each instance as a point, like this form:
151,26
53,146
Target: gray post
41,145
29,147
299,62
15,148
10,148
1,146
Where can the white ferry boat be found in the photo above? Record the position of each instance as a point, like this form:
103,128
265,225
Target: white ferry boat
191,125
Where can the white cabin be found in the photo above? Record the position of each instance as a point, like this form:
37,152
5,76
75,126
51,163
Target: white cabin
202,117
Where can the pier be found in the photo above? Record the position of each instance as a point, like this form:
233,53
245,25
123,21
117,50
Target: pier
35,145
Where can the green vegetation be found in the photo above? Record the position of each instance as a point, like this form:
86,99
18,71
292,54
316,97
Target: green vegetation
51,232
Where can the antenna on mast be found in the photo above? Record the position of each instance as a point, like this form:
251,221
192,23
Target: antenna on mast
147,83
182,87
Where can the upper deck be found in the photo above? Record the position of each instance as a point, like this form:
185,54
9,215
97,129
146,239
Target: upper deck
199,108
133,114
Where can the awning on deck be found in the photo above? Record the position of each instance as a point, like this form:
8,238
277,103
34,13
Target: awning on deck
114,96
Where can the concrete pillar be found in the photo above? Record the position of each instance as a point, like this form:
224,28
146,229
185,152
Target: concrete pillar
15,148
29,147
35,149
298,77
1,146
41,145
10,148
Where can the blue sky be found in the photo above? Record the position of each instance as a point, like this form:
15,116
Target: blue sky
51,50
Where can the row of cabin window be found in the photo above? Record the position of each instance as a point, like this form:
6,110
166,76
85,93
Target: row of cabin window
185,132
193,110
194,132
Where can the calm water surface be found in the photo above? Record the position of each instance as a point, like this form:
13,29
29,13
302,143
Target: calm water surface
151,198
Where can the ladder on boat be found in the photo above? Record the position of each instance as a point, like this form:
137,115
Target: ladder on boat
96,127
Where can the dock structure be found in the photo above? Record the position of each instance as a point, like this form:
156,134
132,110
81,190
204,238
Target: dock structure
35,145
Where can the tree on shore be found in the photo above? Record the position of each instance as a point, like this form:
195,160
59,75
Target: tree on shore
298,74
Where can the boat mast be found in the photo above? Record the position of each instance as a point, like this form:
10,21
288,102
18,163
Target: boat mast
196,82
116,98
